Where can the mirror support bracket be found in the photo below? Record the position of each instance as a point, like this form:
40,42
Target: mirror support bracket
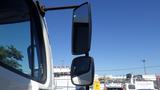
87,54
87,87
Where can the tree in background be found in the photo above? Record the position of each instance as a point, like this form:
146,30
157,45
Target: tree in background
10,55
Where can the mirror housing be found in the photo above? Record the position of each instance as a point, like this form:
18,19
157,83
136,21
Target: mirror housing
82,71
81,29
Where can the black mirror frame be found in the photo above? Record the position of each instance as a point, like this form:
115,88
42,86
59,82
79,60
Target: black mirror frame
90,29
93,71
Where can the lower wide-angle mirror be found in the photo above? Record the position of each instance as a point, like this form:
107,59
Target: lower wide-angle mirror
82,71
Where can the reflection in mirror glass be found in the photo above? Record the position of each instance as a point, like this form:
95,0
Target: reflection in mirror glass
14,41
82,70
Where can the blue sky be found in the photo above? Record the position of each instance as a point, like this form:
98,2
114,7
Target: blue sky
124,33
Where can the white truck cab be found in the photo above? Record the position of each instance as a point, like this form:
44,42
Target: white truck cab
25,51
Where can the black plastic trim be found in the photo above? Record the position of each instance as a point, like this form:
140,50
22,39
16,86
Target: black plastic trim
35,13
90,28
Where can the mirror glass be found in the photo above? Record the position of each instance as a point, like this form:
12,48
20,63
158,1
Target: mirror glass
81,32
82,71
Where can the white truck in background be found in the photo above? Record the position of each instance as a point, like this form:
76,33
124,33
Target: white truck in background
144,85
25,51
140,85
140,82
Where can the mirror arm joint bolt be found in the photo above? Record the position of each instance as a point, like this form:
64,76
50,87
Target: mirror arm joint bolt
41,9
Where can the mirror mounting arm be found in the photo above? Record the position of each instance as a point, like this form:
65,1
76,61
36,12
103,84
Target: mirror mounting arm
87,54
87,87
61,8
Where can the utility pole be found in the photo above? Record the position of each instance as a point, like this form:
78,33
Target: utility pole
144,64
62,63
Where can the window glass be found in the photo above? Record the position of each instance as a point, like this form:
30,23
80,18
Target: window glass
36,65
14,41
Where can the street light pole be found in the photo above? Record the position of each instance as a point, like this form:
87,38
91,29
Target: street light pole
144,64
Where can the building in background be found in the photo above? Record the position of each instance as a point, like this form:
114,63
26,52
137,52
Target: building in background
62,78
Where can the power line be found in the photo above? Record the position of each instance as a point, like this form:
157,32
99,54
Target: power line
130,68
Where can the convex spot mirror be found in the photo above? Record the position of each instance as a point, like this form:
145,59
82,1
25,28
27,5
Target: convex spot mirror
81,29
82,71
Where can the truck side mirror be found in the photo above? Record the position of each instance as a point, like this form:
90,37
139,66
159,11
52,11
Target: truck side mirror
82,71
81,30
